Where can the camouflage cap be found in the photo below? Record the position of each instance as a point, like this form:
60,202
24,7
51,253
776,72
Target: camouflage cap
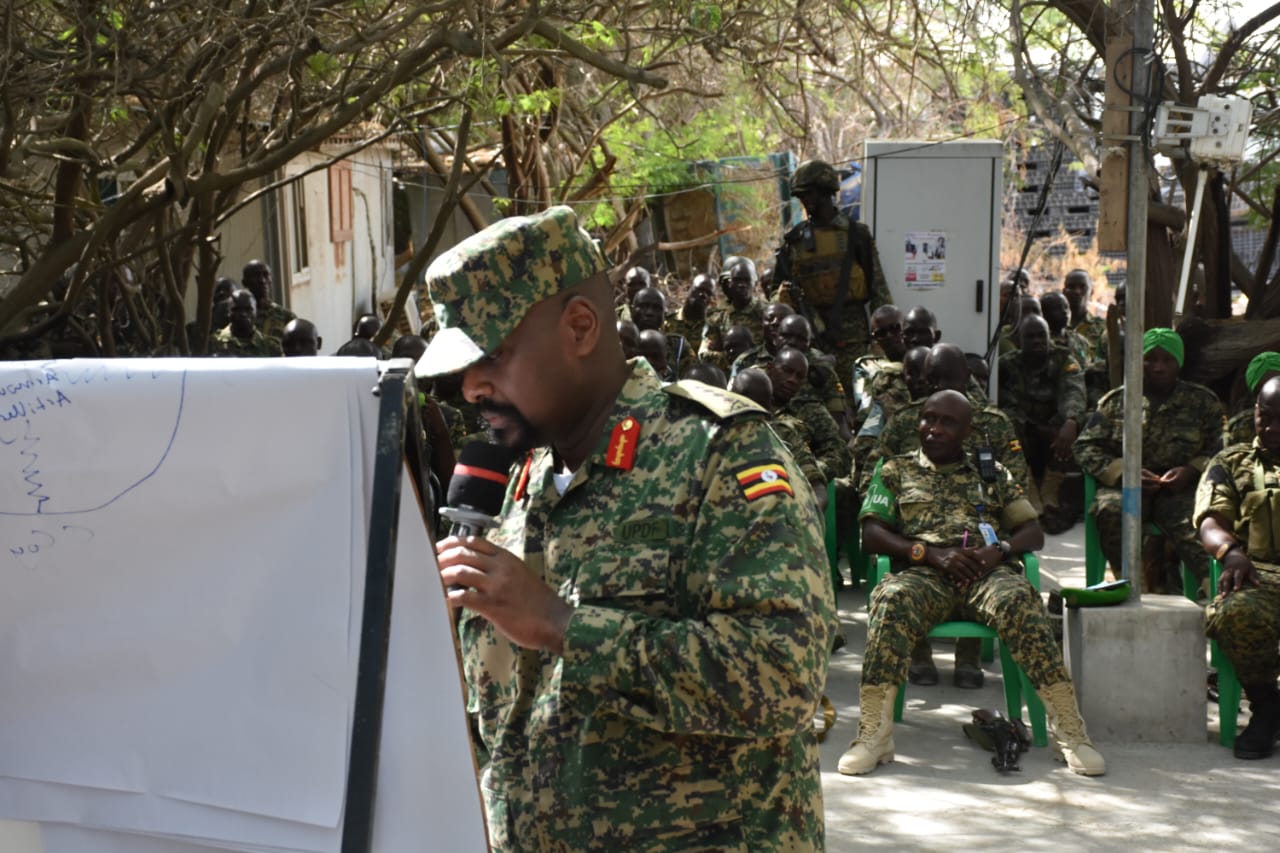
484,286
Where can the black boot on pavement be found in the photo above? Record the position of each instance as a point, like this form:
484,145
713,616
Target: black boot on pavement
1258,740
922,670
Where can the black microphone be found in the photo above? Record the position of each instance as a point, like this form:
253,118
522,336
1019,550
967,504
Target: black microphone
477,488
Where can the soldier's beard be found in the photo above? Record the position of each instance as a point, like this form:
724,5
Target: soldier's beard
513,429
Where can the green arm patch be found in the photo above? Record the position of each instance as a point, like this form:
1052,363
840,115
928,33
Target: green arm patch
879,502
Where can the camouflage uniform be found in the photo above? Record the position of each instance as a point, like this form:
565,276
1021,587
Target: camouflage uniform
1185,430
457,426
679,354
990,427
1094,331
889,395
465,421
936,505
865,370
812,258
721,317
821,433
1046,397
1040,400
679,716
272,320
822,378
1246,623
690,330
1239,428
1077,345
791,431
259,346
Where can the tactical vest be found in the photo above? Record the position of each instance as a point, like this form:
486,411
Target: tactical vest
817,258
1261,511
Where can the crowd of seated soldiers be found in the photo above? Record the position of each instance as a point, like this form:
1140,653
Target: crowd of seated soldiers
1057,421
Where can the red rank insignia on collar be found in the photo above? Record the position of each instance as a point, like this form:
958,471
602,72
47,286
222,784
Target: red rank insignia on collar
622,444
522,485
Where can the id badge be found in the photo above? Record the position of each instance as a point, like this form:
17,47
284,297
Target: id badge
988,533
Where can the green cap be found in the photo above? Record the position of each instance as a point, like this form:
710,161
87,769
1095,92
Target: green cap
1165,339
1262,365
484,286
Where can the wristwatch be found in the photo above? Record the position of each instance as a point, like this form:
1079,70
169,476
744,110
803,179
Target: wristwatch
917,552
1005,548
1224,548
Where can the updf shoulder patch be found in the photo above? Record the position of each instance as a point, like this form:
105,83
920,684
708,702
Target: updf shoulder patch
722,404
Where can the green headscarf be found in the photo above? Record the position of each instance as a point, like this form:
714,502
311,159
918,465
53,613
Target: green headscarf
1262,364
1167,339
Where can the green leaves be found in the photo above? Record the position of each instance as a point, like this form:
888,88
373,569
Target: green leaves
531,103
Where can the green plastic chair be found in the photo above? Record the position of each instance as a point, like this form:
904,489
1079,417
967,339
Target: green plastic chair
1229,690
859,564
1017,687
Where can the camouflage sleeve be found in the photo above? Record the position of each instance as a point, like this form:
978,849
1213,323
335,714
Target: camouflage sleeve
1216,493
826,441
1017,511
754,663
1072,399
1008,449
800,452
1098,447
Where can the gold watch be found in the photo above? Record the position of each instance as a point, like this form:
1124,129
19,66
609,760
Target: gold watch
917,552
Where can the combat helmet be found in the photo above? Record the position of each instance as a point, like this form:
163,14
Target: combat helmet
815,175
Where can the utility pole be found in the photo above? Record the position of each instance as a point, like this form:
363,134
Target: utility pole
1135,306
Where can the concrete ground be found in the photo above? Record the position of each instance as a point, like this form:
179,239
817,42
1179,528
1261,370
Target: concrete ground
941,792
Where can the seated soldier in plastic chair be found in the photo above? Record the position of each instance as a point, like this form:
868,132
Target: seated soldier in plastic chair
952,535
1181,429
992,434
1238,513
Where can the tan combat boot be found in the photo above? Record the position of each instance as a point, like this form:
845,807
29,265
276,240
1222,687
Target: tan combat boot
1051,489
874,744
1070,741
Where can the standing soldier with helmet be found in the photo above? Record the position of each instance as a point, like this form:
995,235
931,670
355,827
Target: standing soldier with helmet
828,269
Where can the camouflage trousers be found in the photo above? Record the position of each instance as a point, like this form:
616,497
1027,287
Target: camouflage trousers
854,335
1246,625
906,604
1171,512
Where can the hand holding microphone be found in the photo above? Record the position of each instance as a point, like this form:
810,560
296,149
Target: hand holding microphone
481,576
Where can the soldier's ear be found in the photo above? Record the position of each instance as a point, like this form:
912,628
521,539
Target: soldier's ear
580,322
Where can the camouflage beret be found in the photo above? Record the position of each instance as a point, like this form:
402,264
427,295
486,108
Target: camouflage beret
484,286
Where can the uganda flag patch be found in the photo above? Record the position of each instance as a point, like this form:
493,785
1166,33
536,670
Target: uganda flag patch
763,478
1015,446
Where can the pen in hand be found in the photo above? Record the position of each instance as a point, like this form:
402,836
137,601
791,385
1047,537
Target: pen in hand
964,542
